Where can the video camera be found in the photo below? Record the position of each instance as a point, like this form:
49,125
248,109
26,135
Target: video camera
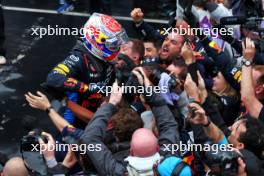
251,23
251,20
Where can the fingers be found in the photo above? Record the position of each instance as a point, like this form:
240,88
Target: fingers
41,142
32,96
198,108
243,46
194,105
29,99
32,102
201,83
241,167
137,74
199,76
249,44
188,79
48,137
33,106
116,88
141,70
41,94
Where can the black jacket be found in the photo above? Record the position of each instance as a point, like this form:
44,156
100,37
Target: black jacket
105,162
79,70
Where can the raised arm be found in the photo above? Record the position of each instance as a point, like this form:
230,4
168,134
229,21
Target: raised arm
249,98
167,125
40,101
143,27
103,159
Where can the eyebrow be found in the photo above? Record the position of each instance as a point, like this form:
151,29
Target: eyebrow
242,121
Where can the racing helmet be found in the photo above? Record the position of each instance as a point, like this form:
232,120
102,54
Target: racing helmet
103,36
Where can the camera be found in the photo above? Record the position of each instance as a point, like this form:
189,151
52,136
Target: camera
192,112
123,70
30,151
27,142
221,162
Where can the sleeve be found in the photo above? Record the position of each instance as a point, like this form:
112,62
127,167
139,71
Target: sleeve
72,131
261,114
166,123
56,169
62,77
231,73
103,159
259,58
212,110
147,31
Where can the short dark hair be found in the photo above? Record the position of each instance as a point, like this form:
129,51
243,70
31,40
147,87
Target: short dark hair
156,43
260,68
125,122
178,61
253,138
138,47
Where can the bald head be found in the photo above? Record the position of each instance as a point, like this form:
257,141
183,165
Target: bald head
143,143
15,167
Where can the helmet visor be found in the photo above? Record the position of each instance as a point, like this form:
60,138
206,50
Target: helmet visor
113,44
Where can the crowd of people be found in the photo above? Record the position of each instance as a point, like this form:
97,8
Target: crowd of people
196,107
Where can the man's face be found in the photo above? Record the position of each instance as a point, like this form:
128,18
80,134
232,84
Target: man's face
236,130
174,70
150,50
171,46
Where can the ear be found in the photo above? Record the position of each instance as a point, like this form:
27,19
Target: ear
136,57
131,153
240,146
158,148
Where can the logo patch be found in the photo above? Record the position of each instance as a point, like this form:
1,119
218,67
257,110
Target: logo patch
110,23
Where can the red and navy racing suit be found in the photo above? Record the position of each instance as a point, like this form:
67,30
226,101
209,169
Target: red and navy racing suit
81,77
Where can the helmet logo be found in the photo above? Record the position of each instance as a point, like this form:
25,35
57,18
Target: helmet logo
91,30
110,23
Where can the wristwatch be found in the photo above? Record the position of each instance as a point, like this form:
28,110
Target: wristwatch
48,109
246,62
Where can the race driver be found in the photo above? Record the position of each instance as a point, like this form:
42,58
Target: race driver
90,66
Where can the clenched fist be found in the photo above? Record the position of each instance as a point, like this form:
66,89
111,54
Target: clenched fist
137,15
